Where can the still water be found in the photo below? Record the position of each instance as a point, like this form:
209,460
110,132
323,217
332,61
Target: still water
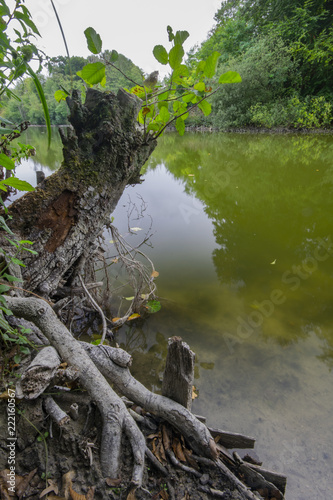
243,241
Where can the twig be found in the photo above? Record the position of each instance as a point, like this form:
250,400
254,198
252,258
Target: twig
96,306
27,291
178,464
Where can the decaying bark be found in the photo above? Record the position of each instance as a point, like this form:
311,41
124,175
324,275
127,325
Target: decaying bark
103,152
179,372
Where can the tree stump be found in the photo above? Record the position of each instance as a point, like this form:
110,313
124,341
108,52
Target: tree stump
179,372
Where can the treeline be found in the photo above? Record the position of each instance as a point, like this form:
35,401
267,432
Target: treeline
283,51
62,74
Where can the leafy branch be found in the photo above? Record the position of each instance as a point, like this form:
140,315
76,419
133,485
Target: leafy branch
163,104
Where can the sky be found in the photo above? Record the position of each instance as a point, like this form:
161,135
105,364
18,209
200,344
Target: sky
132,27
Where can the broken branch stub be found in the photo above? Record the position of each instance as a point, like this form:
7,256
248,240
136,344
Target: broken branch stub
179,372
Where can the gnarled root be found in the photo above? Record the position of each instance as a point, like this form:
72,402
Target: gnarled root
113,411
93,364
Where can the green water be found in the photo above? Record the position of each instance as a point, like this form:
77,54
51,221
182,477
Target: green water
243,242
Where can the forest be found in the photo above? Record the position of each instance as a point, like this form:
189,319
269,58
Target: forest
282,50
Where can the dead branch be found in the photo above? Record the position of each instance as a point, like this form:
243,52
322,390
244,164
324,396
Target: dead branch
55,412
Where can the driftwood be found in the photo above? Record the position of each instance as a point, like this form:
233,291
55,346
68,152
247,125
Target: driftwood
232,439
55,412
39,374
179,372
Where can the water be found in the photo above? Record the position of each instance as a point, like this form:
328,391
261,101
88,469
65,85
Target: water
244,246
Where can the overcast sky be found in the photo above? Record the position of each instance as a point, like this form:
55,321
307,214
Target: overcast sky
131,27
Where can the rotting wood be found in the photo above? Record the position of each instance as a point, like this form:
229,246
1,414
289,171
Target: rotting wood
39,374
194,431
279,480
232,439
179,372
257,477
103,152
55,412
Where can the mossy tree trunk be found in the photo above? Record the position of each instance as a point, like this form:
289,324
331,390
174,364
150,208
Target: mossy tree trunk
103,152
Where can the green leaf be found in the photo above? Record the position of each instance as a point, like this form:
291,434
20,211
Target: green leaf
17,261
11,278
201,67
153,306
154,126
205,107
4,226
176,55
230,77
42,99
93,40
4,288
161,54
114,56
211,62
181,36
180,126
93,73
4,10
5,120
200,86
6,162
17,360
164,114
179,73
16,183
26,20
188,97
170,33
30,251
24,350
3,301
60,95
6,311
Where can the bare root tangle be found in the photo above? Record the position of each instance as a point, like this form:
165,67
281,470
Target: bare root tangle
194,431
113,411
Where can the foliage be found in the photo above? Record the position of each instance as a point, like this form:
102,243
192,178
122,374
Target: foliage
15,55
267,73
170,102
58,83
311,112
304,31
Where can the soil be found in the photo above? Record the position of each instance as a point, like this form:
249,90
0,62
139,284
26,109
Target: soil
75,447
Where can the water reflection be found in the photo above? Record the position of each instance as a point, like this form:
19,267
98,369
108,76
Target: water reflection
269,199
